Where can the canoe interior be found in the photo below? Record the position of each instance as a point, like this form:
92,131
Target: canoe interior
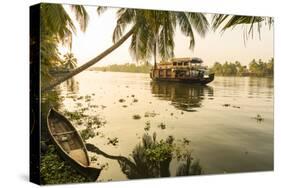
67,138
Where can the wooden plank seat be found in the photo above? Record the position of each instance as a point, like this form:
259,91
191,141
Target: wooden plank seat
63,133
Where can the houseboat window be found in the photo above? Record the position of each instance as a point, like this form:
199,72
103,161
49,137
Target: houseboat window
185,63
179,64
174,64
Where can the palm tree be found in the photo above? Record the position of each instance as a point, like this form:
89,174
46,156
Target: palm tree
152,33
70,62
57,28
57,23
226,22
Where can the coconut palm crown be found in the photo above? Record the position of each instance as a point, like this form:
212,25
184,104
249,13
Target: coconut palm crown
154,30
70,62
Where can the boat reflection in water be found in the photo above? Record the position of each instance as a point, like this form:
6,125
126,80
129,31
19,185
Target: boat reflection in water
183,96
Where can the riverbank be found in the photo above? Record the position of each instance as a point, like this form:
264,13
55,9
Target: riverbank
253,69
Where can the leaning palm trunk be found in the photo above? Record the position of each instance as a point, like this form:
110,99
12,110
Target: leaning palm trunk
90,63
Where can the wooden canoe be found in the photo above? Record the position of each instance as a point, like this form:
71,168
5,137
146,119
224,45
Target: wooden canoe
70,144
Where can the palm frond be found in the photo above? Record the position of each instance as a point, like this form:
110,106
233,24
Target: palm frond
186,28
237,20
248,22
217,20
101,10
124,18
166,36
57,22
199,22
81,16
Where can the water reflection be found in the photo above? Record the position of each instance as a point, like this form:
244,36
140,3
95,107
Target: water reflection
183,96
152,158
260,82
72,86
260,87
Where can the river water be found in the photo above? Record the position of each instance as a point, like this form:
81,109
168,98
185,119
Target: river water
219,120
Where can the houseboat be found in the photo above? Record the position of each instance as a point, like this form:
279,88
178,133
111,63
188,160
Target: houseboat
187,70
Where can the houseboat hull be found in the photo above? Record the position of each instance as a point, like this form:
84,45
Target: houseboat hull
201,81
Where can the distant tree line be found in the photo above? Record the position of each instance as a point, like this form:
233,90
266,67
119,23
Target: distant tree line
128,67
255,68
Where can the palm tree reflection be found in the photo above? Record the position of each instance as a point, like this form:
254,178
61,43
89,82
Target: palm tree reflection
72,86
152,158
183,96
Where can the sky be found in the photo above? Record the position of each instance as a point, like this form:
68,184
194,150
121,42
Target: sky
214,47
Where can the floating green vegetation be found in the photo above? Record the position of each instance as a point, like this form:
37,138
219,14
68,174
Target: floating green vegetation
122,100
113,141
147,126
160,151
150,114
79,98
259,118
186,141
235,106
124,106
93,106
182,112
152,158
93,94
94,158
87,98
79,122
135,100
136,116
226,105
172,114
98,121
84,109
87,134
72,96
132,95
54,170
103,166
90,122
162,125
76,115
